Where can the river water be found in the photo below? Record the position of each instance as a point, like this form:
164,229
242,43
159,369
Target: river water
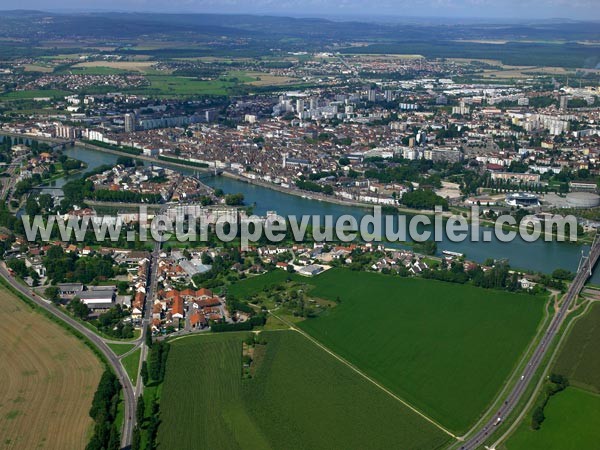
538,256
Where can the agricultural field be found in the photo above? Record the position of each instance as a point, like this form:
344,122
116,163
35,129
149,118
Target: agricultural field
262,78
166,85
445,348
119,66
48,386
37,68
41,93
298,397
572,418
579,360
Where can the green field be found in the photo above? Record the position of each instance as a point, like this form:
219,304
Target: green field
579,360
131,363
253,285
24,95
298,398
571,423
100,70
120,349
183,86
445,348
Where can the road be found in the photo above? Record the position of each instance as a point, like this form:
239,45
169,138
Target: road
151,286
113,360
478,438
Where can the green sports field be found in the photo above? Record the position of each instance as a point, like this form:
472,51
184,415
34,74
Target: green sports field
299,397
579,360
445,348
572,418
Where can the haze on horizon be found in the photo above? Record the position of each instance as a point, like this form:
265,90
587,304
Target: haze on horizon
355,9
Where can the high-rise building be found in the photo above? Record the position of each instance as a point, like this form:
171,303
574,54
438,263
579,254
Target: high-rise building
389,95
371,95
564,102
66,132
129,122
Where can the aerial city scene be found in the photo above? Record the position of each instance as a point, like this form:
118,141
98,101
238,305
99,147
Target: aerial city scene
299,225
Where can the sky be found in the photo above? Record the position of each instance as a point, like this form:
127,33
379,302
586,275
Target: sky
515,9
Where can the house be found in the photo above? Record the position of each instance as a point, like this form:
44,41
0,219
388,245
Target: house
207,302
526,284
204,293
310,271
69,290
418,267
177,309
198,320
99,297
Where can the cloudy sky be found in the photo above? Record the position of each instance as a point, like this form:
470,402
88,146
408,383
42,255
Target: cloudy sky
517,9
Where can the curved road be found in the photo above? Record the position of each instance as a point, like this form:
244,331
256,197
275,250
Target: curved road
128,394
478,439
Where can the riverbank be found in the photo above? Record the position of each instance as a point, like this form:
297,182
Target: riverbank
291,191
326,198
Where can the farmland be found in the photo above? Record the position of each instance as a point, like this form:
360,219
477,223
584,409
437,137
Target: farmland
579,360
181,86
118,66
445,348
571,424
205,402
48,385
41,93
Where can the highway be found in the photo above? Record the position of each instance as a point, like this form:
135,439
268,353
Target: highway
128,394
478,438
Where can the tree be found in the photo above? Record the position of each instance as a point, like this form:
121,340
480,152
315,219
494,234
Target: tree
104,413
122,287
424,199
157,361
537,418
562,274
136,439
78,308
144,373
53,294
234,199
206,258
148,337
140,410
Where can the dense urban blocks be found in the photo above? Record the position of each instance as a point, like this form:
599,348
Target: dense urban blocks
445,348
298,397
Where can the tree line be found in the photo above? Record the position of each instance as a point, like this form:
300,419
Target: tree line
104,413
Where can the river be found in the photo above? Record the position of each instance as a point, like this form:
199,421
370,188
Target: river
538,256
